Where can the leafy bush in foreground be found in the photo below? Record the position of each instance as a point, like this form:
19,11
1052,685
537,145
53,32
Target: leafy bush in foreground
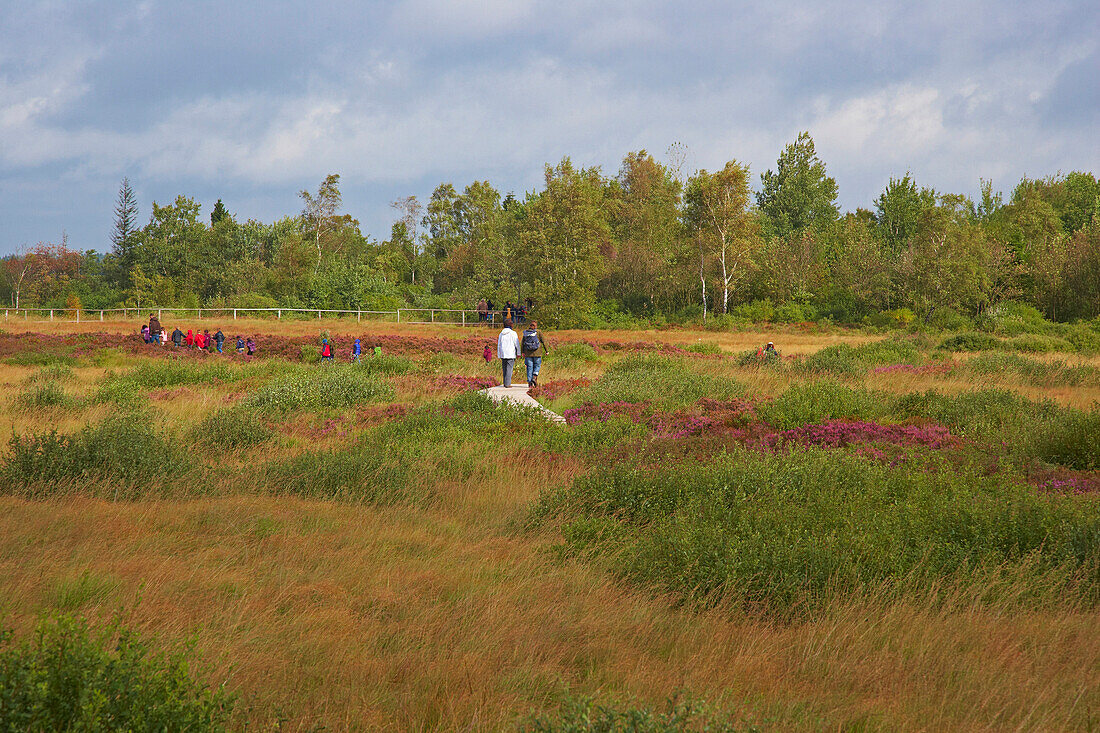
779,533
67,677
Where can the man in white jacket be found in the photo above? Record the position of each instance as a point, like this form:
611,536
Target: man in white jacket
507,350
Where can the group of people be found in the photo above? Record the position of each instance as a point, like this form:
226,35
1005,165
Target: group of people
511,346
328,354
154,333
487,311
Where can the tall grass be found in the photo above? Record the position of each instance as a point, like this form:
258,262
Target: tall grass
330,387
779,534
667,382
848,360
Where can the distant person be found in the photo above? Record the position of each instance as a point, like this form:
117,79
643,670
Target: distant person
356,351
532,341
509,311
163,337
219,340
240,345
482,310
378,351
507,350
490,310
521,314
190,339
250,345
207,339
145,333
530,304
326,351
154,327
177,337
487,354
770,351
200,341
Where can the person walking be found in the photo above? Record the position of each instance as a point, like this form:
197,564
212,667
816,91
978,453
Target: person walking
154,328
507,350
190,339
532,341
482,310
326,351
207,339
219,341
356,351
250,345
487,354
489,307
177,337
240,345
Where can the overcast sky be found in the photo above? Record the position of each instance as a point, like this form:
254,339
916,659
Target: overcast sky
252,101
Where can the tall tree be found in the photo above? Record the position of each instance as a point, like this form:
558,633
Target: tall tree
717,211
799,194
898,210
319,212
560,241
124,238
218,213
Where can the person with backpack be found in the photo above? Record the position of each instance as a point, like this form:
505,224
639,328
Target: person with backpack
190,339
532,342
177,337
154,328
144,333
326,351
219,341
251,346
200,341
356,351
507,350
240,345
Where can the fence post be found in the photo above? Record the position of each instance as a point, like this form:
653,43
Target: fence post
359,316
318,315
78,315
463,318
200,314
101,316
280,315
51,314
433,316
158,314
234,314
399,315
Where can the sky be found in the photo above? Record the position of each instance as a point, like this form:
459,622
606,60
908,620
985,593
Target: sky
252,101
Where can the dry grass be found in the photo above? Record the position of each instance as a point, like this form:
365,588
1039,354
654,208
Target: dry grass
399,619
450,618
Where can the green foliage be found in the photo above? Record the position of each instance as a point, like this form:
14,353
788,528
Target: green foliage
385,365
162,373
973,341
328,387
705,347
1073,440
571,354
52,373
813,402
1034,371
780,533
664,381
846,360
1037,344
70,677
232,429
585,715
122,451
39,359
70,594
798,195
46,394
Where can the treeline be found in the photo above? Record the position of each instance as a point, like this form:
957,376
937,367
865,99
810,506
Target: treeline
652,242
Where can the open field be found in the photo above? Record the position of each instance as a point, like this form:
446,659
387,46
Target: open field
874,534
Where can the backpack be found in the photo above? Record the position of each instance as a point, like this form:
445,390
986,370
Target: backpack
531,341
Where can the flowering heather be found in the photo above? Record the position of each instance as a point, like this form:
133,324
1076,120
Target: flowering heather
913,369
679,424
557,388
839,433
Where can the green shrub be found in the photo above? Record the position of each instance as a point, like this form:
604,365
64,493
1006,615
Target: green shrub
329,387
780,533
68,677
118,390
72,593
1037,344
385,365
1034,371
309,355
846,360
1013,318
795,313
124,451
576,351
991,413
756,311
53,373
232,429
1082,338
813,402
164,373
664,381
705,347
1073,440
585,715
48,394
974,341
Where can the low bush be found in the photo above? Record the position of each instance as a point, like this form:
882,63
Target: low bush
974,341
1034,371
53,373
385,365
122,451
814,402
46,394
233,428
705,347
782,533
664,381
163,373
69,677
578,352
328,387
993,414
1082,338
1072,439
846,360
40,359
1037,344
